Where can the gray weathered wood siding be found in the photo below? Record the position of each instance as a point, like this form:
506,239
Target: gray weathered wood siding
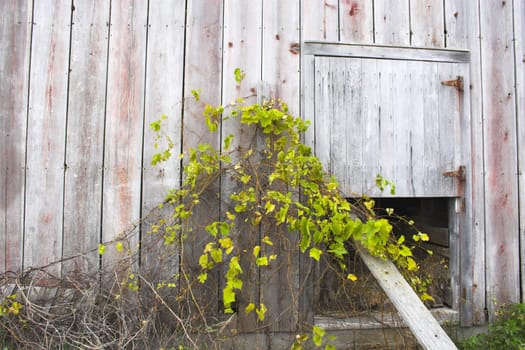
81,82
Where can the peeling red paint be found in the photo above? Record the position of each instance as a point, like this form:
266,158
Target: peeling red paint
295,48
354,9
46,218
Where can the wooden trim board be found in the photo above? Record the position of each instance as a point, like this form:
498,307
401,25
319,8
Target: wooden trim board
385,52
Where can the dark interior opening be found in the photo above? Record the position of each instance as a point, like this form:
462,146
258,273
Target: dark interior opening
338,296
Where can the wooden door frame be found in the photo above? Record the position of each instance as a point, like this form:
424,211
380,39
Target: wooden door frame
460,208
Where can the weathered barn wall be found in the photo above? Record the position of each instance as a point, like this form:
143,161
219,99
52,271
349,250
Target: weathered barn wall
81,83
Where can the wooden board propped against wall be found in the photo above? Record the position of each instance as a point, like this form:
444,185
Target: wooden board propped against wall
418,318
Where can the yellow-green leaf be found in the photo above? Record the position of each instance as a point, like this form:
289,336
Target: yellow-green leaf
351,277
203,261
256,250
267,240
425,296
315,253
262,261
202,277
196,94
227,244
261,312
101,249
249,308
119,246
411,264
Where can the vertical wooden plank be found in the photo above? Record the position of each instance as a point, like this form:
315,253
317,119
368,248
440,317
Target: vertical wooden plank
242,49
280,68
403,165
309,270
477,164
124,122
457,21
449,117
462,25
281,50
432,117
164,89
456,121
419,78
426,23
46,134
356,18
392,22
319,20
324,87
15,41
85,134
202,71
387,120
502,238
467,291
519,37
352,100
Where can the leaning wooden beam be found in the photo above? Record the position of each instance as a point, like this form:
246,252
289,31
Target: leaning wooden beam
417,317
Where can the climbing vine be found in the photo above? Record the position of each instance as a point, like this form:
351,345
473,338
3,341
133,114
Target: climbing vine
279,184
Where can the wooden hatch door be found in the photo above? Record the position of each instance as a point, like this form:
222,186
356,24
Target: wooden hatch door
401,113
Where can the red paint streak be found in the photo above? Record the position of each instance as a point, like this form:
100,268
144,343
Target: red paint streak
354,9
124,195
295,48
46,218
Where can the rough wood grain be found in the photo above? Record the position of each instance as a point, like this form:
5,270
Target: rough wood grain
459,15
280,69
15,34
501,185
423,325
426,23
319,20
46,135
381,51
356,21
203,59
163,96
85,136
468,34
124,123
378,129
392,22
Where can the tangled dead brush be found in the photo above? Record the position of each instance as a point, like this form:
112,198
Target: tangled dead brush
117,306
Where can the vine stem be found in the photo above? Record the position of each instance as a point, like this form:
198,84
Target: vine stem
181,322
